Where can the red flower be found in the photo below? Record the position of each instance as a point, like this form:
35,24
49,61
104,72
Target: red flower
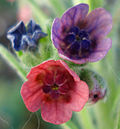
56,89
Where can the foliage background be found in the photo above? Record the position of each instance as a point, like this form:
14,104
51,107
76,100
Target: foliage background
103,115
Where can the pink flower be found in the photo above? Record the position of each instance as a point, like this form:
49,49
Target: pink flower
24,14
55,89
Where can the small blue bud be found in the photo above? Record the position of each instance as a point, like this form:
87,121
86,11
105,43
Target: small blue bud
25,38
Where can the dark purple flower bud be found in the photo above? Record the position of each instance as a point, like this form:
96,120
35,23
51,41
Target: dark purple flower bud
15,35
96,84
80,37
25,39
35,31
28,44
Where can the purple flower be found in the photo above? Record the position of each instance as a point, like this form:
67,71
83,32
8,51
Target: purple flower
25,38
80,37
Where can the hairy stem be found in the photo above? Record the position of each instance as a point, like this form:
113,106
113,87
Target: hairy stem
13,62
69,125
85,119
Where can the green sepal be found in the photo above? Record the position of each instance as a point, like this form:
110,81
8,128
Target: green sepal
90,77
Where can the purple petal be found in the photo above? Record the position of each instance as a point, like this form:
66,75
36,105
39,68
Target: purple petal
101,50
56,35
57,27
32,27
104,45
75,15
99,23
81,61
17,29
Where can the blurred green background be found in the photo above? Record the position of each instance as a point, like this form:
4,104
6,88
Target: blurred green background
13,113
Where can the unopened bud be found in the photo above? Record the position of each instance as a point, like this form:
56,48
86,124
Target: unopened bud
97,85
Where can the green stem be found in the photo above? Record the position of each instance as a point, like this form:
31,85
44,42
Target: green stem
85,119
90,5
40,15
75,2
69,125
11,60
117,116
103,116
118,121
58,6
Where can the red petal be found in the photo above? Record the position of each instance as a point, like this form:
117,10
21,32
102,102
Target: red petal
32,95
79,96
55,112
72,73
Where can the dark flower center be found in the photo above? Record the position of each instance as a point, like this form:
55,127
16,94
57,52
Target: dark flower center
95,96
46,89
78,44
52,90
59,85
55,87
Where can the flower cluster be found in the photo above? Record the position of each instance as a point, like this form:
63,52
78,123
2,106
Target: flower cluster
25,39
52,86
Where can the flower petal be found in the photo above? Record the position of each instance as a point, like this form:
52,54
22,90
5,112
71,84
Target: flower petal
35,31
56,35
15,40
81,61
57,27
40,68
101,50
15,35
17,29
79,96
55,112
32,27
75,15
75,76
32,94
38,35
99,22
104,44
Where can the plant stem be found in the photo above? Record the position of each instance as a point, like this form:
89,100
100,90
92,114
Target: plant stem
58,6
69,125
13,62
40,16
103,116
86,119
